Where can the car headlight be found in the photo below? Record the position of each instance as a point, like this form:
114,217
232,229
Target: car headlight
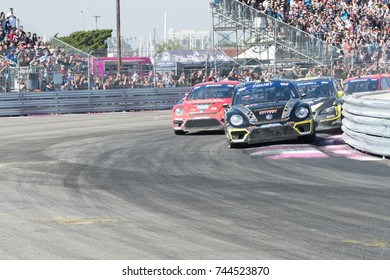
330,110
178,111
301,112
236,120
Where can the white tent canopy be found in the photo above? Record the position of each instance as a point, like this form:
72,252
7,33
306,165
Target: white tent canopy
191,58
254,53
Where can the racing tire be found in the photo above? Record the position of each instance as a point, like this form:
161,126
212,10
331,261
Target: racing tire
179,132
236,145
309,139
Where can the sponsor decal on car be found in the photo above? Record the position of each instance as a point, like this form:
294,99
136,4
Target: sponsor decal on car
203,106
265,112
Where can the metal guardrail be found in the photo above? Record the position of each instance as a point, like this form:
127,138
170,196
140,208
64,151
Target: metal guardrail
70,102
366,123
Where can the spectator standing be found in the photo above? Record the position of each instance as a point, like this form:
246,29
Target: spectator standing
311,73
182,81
11,56
211,77
172,82
68,82
134,78
24,59
3,22
227,4
150,79
11,35
2,36
34,39
200,77
218,77
166,80
232,76
282,74
246,75
98,83
28,38
193,77
295,73
11,19
3,67
173,75
21,34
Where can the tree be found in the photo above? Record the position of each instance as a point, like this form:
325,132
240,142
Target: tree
171,45
88,40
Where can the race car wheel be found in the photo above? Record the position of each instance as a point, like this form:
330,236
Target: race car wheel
179,132
309,138
236,145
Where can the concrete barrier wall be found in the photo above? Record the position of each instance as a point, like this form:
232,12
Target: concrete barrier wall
366,122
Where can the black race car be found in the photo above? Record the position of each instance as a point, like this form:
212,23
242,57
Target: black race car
323,94
266,112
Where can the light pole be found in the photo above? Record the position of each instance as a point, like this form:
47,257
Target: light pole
118,34
89,69
155,59
96,19
82,20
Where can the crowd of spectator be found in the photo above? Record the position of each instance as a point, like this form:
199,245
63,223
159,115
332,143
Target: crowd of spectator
28,54
360,28
28,50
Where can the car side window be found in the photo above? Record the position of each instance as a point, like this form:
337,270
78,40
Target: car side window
384,83
387,87
337,86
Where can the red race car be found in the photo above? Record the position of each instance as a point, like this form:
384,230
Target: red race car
202,108
368,83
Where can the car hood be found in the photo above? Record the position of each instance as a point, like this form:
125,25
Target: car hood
318,104
267,112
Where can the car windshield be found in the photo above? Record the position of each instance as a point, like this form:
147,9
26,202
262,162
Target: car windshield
361,85
211,91
314,89
264,93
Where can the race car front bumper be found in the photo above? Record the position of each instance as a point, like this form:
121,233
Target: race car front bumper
270,132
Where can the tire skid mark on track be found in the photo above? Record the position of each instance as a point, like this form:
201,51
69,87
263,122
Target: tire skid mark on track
80,221
368,243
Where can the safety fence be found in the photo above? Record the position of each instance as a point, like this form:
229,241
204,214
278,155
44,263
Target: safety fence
366,123
87,101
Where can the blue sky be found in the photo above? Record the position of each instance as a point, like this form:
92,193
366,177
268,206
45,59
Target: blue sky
138,17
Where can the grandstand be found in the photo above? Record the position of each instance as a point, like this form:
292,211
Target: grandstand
343,37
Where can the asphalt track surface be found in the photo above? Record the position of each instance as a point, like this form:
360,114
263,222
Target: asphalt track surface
123,186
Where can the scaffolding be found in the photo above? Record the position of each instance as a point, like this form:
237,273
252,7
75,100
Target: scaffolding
255,38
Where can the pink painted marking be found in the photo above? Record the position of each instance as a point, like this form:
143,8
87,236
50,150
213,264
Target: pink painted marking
353,155
336,148
279,147
305,154
335,136
267,151
366,158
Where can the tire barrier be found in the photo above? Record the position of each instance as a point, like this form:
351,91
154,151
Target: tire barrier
94,101
366,122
